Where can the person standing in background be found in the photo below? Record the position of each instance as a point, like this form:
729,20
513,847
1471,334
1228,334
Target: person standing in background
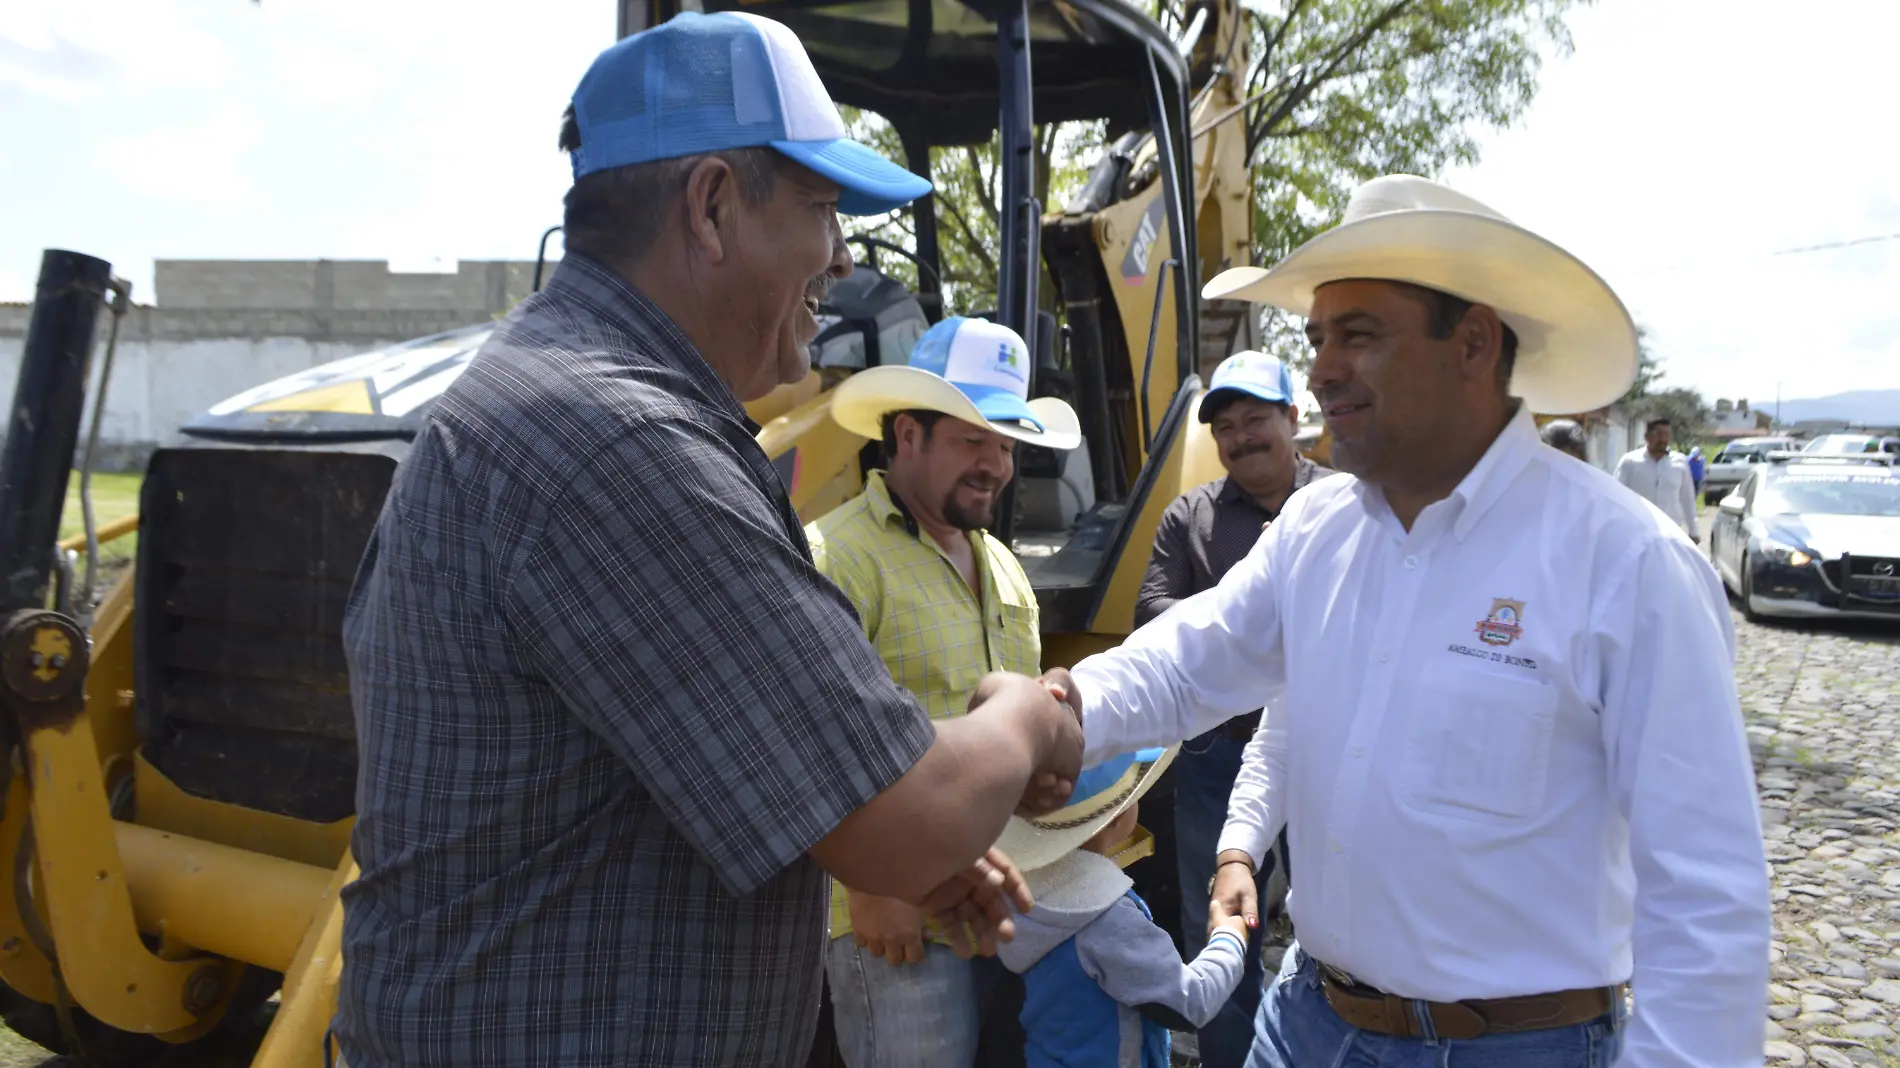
1662,478
1565,436
1206,531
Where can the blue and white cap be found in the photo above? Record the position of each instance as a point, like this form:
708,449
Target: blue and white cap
1248,374
1101,793
973,369
706,83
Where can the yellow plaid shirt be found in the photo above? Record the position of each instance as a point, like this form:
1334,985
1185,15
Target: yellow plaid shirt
935,637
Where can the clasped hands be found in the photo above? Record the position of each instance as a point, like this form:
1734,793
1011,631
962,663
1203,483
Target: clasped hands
976,902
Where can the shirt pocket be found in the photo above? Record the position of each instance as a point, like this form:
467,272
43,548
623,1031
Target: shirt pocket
1017,638
1480,745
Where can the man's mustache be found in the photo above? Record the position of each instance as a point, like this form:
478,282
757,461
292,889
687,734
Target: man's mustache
1241,452
819,288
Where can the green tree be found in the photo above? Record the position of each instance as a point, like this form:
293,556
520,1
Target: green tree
1687,412
1337,91
968,195
1648,368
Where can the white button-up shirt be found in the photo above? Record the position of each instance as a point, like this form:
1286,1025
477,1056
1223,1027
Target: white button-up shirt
1666,483
1506,744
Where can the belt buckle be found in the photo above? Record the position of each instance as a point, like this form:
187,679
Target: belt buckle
1342,977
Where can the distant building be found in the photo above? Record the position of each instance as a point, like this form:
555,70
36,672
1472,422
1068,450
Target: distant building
218,327
1734,419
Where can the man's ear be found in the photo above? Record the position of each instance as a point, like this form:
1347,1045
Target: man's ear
708,203
1483,334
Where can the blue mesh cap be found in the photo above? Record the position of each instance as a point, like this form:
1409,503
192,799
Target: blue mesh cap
1250,374
987,362
706,83
1105,775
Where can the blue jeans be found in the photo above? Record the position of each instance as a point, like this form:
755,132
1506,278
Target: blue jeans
1298,1029
1204,773
902,1015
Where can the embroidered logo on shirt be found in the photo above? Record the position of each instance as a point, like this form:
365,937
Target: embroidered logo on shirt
1504,624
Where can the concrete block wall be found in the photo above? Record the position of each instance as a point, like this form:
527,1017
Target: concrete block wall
220,327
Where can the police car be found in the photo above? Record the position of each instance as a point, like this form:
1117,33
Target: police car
1810,536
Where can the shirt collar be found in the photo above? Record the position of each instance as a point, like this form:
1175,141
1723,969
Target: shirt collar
593,287
883,504
1487,481
1510,453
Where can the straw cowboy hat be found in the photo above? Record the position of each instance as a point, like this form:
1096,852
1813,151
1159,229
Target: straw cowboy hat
1101,793
1576,344
972,369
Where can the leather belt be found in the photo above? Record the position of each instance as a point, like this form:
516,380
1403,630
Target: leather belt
1370,1009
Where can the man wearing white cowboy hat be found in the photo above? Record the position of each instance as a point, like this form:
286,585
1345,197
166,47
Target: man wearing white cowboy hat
1501,727
944,603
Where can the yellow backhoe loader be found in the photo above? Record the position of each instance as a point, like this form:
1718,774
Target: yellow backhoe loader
179,791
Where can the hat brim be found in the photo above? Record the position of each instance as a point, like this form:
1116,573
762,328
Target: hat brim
1036,843
1576,341
869,184
860,402
1255,392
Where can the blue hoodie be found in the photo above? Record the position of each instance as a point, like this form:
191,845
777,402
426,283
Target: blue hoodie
1103,985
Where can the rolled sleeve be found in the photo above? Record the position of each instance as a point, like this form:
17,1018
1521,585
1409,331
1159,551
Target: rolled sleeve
671,606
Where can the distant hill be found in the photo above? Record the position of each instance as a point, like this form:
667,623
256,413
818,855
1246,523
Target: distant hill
1874,407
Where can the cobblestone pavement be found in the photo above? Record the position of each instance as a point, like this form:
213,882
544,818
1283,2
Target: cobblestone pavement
1822,706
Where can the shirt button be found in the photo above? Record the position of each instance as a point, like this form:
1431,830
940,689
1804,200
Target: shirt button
1335,847
1411,563
1385,658
1358,750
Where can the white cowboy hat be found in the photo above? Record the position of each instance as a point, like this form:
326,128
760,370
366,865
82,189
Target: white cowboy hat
1576,343
1101,793
972,369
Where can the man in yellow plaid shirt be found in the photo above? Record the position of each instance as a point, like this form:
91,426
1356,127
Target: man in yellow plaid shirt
945,603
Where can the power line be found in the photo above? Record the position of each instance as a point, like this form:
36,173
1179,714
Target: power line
1837,244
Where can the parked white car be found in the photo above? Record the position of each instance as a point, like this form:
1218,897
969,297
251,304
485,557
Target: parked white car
1735,461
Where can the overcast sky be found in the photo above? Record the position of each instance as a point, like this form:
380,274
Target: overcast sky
1681,148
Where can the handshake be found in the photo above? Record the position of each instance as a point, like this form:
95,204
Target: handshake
1033,723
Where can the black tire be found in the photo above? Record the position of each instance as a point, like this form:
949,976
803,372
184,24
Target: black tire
231,1044
1748,590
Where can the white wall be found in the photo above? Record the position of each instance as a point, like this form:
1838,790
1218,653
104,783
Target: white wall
157,385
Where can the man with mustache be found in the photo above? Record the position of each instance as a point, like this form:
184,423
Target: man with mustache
944,603
1501,724
616,731
1203,534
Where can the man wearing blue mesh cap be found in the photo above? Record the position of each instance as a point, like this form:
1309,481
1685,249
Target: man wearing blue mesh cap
945,603
1249,408
614,726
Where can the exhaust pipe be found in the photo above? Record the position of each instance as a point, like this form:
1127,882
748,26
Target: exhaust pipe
44,424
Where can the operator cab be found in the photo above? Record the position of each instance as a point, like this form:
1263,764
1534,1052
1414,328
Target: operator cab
951,73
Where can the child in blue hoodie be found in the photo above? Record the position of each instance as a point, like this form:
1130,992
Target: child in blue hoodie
1103,985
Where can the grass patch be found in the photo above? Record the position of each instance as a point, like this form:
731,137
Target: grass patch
114,496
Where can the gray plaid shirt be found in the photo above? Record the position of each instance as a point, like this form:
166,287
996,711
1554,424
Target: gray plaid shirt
605,705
